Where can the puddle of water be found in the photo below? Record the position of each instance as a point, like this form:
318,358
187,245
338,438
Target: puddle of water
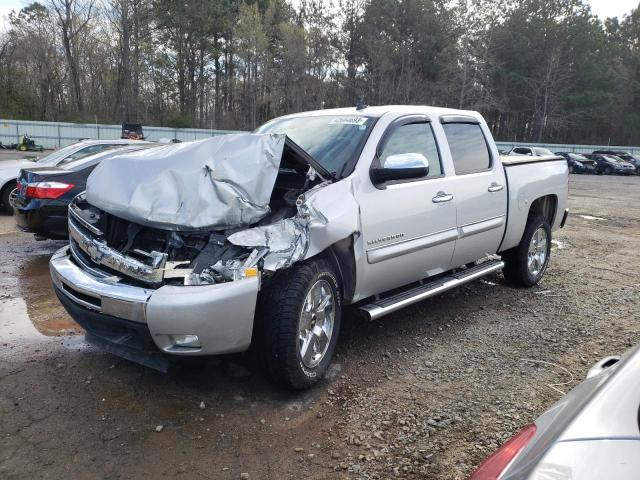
17,326
590,217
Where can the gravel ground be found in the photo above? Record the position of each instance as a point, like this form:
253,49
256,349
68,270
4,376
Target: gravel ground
425,393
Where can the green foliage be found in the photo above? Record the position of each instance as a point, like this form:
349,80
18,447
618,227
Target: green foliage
539,70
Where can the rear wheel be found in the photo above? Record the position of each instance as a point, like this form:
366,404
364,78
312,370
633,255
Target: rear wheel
525,264
5,194
299,322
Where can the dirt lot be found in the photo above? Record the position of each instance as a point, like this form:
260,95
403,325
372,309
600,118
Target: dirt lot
425,393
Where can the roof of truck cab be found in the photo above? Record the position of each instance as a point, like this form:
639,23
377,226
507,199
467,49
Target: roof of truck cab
378,111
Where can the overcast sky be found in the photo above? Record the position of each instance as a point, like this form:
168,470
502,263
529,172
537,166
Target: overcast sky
602,8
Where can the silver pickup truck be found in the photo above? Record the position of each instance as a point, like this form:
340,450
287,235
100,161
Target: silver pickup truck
261,239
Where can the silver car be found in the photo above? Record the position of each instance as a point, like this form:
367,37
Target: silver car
592,433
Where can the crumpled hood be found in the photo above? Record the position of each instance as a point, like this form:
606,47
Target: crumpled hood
220,182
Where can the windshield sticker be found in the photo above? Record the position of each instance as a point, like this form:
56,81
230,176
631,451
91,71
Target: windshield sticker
348,121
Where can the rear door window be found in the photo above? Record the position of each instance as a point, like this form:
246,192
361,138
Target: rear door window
469,149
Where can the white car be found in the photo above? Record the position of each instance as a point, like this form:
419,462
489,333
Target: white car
9,169
530,152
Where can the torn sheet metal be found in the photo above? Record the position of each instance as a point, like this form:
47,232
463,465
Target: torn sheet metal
332,215
285,240
220,182
328,214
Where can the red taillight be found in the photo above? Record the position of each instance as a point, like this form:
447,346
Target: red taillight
48,189
495,464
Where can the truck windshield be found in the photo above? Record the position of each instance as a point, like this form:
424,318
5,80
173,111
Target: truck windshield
332,140
543,151
578,157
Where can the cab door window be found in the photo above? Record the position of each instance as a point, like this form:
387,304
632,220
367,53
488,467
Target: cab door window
414,138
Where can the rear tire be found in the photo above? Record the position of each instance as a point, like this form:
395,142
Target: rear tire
525,264
300,306
5,193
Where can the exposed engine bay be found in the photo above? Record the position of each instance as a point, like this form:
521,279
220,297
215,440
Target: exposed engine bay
143,254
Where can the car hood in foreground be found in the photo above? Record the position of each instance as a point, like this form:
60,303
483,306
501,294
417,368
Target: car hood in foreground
602,408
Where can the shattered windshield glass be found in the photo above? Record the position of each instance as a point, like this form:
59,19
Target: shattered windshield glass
332,140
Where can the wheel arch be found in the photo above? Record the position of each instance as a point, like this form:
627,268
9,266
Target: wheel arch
8,185
545,206
342,258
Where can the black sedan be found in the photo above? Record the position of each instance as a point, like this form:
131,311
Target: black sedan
578,163
43,193
608,164
624,155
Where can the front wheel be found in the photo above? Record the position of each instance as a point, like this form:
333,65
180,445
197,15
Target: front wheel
608,171
525,264
299,322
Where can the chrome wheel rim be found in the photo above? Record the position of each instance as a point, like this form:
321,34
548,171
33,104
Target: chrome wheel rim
12,197
537,255
316,323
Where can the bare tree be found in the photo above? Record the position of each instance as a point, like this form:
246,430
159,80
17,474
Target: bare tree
73,17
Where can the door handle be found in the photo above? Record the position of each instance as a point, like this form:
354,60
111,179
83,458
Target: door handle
495,187
442,197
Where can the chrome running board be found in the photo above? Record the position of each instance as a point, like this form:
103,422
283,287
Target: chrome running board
389,304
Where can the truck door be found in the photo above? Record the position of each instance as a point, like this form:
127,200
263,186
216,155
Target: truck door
408,226
480,189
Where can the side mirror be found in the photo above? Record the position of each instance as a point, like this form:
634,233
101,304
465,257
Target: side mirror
403,166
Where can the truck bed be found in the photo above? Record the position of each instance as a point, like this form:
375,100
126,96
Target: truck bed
529,178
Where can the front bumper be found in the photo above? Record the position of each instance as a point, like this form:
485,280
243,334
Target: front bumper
220,315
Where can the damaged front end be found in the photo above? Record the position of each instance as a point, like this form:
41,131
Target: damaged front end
170,249
255,212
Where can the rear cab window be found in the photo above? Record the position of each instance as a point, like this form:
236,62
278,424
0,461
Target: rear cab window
469,148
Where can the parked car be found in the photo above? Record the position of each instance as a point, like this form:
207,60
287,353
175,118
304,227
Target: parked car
531,151
591,433
42,196
624,155
264,237
578,163
609,164
9,169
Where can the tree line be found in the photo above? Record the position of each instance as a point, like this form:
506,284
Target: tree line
539,70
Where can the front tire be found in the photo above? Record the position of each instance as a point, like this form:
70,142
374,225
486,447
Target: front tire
299,322
525,264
